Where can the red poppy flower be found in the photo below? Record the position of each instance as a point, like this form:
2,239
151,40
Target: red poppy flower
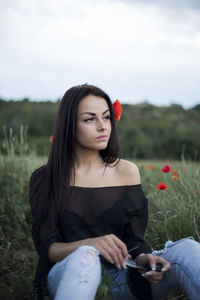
162,186
175,178
175,173
117,109
166,169
51,139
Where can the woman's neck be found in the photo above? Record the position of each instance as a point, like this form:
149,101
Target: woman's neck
88,160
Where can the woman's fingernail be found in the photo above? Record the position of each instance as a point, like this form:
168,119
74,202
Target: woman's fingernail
118,266
124,266
148,273
142,275
153,267
112,262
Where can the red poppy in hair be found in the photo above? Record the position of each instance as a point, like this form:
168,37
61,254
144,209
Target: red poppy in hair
117,109
51,139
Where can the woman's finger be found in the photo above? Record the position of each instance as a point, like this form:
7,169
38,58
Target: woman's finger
166,264
113,252
104,253
122,247
152,260
115,257
118,253
117,250
153,276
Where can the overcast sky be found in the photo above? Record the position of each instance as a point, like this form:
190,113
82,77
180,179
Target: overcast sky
135,50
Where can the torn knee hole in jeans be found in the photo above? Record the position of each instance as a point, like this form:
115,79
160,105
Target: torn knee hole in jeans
88,263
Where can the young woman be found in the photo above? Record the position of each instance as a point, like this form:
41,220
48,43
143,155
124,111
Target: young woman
89,210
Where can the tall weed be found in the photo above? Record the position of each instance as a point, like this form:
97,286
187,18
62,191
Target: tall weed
16,166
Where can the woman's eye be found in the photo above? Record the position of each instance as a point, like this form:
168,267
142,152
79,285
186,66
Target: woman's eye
89,120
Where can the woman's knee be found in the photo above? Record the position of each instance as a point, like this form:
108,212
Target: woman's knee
177,250
187,249
87,261
87,254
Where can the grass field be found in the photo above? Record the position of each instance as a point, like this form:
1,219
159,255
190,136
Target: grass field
174,213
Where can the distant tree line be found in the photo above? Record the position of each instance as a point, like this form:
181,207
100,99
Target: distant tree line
145,130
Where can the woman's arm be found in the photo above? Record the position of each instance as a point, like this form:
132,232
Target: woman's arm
58,251
133,233
109,246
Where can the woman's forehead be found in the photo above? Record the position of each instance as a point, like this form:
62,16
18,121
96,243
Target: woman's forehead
93,104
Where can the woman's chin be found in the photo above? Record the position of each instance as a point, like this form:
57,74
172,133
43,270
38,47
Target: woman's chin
102,146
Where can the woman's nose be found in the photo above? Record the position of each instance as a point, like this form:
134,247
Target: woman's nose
100,125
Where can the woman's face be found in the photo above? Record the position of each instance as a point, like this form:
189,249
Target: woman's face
93,123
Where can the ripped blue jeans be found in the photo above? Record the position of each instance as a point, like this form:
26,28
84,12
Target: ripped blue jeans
78,276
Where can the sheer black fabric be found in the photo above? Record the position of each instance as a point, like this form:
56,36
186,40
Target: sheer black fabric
91,212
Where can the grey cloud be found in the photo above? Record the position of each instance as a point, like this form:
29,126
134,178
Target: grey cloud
173,4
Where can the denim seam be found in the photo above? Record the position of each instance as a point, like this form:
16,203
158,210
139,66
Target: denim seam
188,274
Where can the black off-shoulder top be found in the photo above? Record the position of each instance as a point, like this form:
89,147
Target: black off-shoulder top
92,212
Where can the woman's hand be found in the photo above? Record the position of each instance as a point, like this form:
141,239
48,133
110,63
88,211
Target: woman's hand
152,276
111,248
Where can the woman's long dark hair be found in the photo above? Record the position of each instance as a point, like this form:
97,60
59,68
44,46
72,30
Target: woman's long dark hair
46,189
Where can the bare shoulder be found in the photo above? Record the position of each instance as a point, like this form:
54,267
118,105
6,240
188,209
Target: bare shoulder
128,172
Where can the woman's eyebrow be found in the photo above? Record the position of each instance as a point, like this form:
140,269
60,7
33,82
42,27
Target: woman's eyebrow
93,114
106,111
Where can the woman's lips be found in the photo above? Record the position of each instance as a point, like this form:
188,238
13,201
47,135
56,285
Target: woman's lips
102,137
